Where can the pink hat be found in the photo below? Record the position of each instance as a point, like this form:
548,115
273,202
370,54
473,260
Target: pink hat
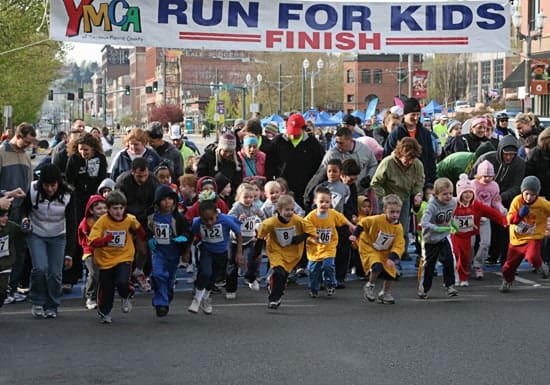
295,124
464,184
485,168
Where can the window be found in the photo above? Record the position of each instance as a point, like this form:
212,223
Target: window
377,77
365,76
474,86
350,76
350,98
498,73
485,75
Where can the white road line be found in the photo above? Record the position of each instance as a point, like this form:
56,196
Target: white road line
521,280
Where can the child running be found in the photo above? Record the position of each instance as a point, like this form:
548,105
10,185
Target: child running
321,251
436,226
112,240
467,216
95,208
528,219
8,232
381,242
167,231
249,216
284,234
214,230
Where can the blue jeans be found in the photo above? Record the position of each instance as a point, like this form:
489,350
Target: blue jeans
232,270
163,277
210,266
47,255
321,271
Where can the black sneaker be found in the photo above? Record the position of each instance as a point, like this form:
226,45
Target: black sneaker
274,304
341,285
162,311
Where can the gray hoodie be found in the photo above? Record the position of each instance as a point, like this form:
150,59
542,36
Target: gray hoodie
437,214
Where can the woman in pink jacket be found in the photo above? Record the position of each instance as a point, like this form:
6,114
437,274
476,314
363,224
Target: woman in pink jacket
252,159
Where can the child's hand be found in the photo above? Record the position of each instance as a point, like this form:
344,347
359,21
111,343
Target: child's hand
354,218
497,198
390,264
351,228
152,243
443,229
418,199
242,217
352,238
523,211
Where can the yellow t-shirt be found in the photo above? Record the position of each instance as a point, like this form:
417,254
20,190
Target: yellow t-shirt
324,246
531,226
280,251
121,248
378,240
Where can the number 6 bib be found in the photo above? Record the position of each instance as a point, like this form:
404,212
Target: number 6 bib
119,238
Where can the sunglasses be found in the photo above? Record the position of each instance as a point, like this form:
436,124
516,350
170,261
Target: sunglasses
503,120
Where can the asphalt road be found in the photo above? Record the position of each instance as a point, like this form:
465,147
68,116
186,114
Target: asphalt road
479,337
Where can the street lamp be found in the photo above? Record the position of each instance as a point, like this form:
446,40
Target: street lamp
215,89
540,19
253,85
313,74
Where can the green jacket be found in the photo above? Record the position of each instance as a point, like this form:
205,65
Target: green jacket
7,244
392,178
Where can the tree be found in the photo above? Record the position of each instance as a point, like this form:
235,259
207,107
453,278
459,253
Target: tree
165,114
28,60
447,77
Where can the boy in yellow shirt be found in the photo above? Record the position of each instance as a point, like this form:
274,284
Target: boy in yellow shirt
111,237
528,219
285,234
321,251
381,243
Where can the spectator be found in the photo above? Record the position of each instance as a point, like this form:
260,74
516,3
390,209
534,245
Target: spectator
390,121
476,136
411,127
167,152
135,143
294,156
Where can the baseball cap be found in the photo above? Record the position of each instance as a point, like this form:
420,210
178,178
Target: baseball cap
295,124
175,132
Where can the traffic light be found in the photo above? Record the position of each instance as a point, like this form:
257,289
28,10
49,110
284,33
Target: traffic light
70,96
155,86
127,90
50,95
148,90
81,93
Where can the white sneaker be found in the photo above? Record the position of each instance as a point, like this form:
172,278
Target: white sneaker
386,298
126,305
206,305
505,287
105,318
18,297
190,268
37,311
544,270
254,286
194,307
464,284
368,292
91,304
232,295
451,291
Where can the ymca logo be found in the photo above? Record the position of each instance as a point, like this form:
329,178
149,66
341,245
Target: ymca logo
116,13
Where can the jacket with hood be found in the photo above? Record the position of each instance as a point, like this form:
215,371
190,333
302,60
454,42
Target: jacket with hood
538,163
175,223
460,162
86,225
194,210
85,176
169,154
106,183
508,176
211,163
140,198
123,162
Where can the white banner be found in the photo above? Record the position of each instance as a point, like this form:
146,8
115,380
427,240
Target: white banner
357,26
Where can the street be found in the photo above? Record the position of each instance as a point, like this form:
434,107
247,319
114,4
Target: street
479,337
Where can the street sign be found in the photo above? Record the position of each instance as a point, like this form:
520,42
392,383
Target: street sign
220,107
216,117
254,107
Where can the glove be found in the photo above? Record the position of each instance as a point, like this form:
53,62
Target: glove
454,226
365,182
152,243
523,211
180,239
442,229
108,238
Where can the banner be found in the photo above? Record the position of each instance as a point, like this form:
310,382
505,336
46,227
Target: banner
420,84
356,26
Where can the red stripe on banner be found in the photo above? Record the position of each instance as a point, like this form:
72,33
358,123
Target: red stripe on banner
220,37
427,40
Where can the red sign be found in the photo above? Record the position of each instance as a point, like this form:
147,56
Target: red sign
539,87
420,84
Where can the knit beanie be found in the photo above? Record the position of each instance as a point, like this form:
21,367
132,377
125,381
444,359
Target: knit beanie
485,168
531,183
452,124
227,142
411,105
464,184
50,173
271,129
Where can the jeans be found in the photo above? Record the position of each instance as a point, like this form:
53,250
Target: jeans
116,277
252,266
484,242
47,254
92,279
163,277
210,265
321,271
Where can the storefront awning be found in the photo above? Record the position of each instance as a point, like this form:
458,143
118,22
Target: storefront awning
517,77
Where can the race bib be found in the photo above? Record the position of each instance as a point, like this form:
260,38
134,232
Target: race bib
213,235
324,235
4,246
465,223
384,241
525,228
284,235
248,227
162,233
119,238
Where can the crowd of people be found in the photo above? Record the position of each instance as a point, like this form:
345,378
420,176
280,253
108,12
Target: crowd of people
317,204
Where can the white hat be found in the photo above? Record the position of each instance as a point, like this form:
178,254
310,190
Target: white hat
396,110
175,131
